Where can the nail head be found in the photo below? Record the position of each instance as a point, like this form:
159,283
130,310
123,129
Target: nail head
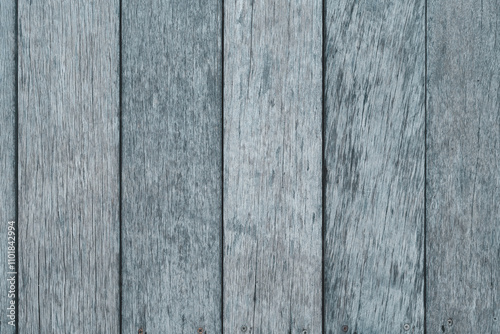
406,327
200,330
243,328
450,322
345,328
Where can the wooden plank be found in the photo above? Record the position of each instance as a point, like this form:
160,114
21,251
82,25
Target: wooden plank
7,158
172,166
374,155
272,166
68,166
463,167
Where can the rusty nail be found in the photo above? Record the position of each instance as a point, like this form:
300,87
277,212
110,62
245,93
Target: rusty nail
200,330
406,327
141,331
243,328
345,328
450,322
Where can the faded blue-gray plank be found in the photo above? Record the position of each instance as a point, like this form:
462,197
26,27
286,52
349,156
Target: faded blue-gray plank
172,133
272,166
68,166
7,152
463,167
374,155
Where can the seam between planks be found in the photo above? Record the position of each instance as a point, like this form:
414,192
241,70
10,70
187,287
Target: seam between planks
222,174
120,167
425,171
16,159
120,160
323,161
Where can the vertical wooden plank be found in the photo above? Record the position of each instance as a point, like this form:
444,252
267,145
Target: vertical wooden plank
172,133
463,167
374,154
7,156
68,166
272,166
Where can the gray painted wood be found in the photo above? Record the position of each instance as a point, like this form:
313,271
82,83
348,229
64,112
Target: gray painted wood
172,166
463,167
272,166
7,152
68,166
374,155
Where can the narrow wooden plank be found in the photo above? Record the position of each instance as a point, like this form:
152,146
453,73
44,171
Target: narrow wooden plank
7,159
68,166
172,133
463,167
374,155
272,166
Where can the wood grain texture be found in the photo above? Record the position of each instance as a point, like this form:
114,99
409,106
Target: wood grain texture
374,155
272,166
7,149
172,166
463,167
68,166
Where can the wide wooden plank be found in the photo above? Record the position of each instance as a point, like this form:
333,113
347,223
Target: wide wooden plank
463,167
272,166
374,154
7,161
172,166
68,166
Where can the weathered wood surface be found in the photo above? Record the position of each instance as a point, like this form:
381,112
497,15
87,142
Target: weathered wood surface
463,167
7,149
68,166
190,175
272,166
172,166
374,155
